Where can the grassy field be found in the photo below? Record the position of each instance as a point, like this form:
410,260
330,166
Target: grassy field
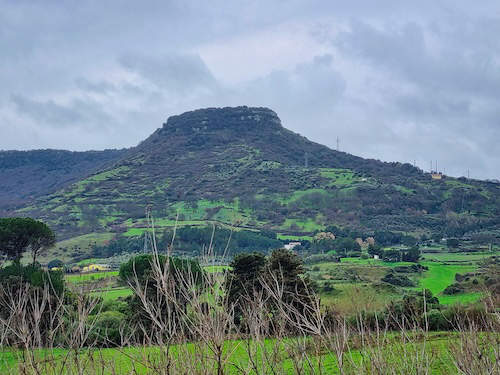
217,268
457,257
85,277
353,280
134,359
64,249
439,276
293,238
113,293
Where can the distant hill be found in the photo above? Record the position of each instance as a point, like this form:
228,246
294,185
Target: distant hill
241,166
27,175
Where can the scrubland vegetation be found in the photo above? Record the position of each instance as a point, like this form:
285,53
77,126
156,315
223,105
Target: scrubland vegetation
164,314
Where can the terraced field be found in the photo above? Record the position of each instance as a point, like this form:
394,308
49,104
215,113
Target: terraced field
355,281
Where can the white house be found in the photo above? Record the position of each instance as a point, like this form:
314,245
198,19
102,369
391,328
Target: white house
291,245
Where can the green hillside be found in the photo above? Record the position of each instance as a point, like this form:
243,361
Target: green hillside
27,175
241,166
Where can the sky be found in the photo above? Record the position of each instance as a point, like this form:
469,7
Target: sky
409,81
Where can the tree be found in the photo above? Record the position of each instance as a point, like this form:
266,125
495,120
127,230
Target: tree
55,263
392,256
452,243
412,254
287,269
18,235
159,283
375,249
345,245
244,279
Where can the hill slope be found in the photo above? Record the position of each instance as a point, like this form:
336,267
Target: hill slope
240,165
27,175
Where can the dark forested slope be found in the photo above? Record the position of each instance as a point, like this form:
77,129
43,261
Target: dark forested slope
26,175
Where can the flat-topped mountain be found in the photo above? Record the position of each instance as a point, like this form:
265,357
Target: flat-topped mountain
241,166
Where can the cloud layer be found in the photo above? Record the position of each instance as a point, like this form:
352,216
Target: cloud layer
396,81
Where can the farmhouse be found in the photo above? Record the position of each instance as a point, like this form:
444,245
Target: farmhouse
96,268
436,175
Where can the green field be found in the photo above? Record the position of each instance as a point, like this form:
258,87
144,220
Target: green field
217,268
113,293
441,273
439,276
85,277
133,359
457,257
293,238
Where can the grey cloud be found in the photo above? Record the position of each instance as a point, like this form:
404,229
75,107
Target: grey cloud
450,64
310,87
401,81
98,87
81,113
180,73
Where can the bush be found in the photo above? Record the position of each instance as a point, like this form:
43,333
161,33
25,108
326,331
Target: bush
454,289
328,288
106,330
319,258
34,275
437,321
398,280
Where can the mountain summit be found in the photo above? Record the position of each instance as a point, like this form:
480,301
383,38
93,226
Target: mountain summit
241,166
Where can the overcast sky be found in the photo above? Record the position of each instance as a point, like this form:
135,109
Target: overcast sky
394,80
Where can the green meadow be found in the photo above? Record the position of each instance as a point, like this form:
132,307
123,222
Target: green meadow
437,349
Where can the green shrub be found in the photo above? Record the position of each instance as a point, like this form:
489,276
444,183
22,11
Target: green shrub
399,280
106,331
437,321
454,289
34,275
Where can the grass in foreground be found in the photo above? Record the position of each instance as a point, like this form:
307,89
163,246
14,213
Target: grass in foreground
436,353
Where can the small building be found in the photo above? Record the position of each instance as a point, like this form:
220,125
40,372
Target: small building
376,257
292,245
96,268
436,175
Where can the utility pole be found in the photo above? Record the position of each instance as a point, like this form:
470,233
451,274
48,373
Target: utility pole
338,141
306,161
